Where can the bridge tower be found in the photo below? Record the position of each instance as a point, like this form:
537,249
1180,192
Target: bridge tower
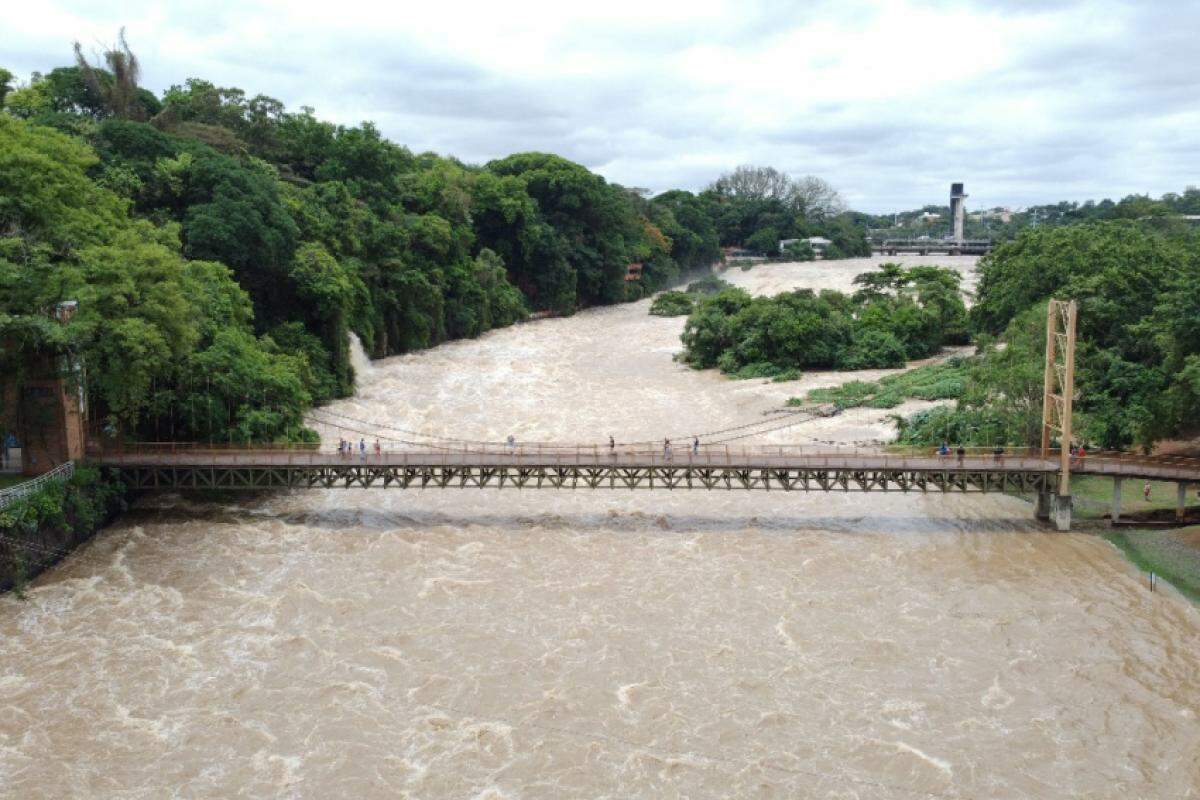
1057,402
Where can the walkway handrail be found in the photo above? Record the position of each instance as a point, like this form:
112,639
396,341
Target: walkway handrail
682,455
59,474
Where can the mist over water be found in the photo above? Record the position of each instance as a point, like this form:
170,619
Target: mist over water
542,644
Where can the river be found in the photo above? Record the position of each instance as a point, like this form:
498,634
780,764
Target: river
500,644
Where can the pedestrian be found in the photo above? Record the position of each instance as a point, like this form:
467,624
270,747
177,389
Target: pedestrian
612,445
1080,454
1146,492
362,450
666,449
944,450
695,445
378,450
511,443
962,452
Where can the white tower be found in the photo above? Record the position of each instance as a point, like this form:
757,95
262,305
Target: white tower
957,211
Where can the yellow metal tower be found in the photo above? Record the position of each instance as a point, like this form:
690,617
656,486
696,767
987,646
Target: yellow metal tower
1059,394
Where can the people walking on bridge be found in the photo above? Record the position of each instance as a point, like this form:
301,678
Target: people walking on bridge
962,452
1080,454
944,450
362,450
378,450
695,445
511,443
666,449
612,447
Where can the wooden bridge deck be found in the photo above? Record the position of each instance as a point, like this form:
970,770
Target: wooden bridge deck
787,468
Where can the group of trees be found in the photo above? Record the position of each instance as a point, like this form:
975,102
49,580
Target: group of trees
896,314
758,207
222,248
1138,359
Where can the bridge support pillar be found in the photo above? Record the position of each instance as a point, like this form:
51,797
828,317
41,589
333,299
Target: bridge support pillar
1061,511
1042,509
1116,500
1180,501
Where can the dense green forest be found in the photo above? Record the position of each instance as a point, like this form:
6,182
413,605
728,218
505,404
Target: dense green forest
222,247
1138,362
897,313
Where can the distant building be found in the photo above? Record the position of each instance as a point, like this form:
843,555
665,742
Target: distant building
817,243
929,217
633,272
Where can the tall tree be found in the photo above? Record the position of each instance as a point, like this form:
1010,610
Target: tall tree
810,196
119,85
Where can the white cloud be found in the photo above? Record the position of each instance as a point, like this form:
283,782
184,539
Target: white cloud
1026,102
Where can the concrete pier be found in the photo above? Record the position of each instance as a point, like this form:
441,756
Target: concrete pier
1061,511
1042,509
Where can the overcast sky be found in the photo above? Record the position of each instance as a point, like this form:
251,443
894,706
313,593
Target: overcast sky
1027,101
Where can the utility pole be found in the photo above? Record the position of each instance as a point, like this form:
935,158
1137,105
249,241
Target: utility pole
1058,399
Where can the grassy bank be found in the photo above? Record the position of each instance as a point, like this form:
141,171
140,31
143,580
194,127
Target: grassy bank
942,380
1092,497
1173,555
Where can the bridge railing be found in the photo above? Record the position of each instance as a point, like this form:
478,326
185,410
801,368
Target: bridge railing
541,453
62,472
644,454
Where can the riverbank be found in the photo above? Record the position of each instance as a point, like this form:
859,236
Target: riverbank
41,529
1172,555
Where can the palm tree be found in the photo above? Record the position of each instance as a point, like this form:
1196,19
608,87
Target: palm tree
118,86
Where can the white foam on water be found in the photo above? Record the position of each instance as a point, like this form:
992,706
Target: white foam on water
359,359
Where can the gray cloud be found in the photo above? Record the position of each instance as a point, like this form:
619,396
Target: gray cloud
1025,100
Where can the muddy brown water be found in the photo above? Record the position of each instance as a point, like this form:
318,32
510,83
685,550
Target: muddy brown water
503,644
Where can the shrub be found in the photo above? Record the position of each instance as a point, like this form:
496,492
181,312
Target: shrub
671,304
873,349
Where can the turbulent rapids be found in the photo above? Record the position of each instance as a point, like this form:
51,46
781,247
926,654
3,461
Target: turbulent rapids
488,644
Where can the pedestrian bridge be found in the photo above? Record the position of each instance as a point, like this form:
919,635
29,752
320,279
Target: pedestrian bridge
953,247
182,467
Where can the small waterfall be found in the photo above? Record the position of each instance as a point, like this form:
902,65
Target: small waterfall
358,358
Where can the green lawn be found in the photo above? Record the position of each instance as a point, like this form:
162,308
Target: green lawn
1092,496
1173,555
